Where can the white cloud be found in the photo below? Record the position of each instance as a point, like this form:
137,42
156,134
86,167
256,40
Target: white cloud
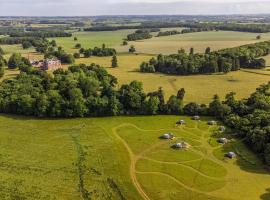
123,7
173,1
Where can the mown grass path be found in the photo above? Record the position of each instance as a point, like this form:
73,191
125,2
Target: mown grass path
134,158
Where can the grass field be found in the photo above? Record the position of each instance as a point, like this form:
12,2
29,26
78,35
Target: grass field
199,41
200,88
93,39
166,45
123,158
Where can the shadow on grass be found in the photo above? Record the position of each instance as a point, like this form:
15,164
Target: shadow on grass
266,196
245,158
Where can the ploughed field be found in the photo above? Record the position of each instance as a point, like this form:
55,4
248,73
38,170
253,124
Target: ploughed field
124,158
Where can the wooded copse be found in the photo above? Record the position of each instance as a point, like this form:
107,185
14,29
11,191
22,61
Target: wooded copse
226,60
97,51
139,35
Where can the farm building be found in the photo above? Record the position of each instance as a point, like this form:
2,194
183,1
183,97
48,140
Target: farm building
231,155
180,122
167,136
47,64
196,117
212,122
222,128
223,140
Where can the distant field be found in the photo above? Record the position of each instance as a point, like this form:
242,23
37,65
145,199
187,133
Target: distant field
123,158
199,41
199,88
166,45
9,49
93,39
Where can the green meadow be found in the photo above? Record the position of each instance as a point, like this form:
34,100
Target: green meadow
123,158
165,45
199,88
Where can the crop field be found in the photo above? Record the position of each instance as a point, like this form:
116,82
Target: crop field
123,158
199,88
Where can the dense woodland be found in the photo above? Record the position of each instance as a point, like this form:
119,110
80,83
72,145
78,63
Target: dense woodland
248,118
79,91
226,60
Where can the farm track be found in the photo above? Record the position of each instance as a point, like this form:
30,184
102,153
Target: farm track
132,164
134,158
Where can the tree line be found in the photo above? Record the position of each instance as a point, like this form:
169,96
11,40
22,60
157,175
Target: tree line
184,31
3,63
85,90
140,34
248,118
78,92
41,34
253,28
96,51
226,60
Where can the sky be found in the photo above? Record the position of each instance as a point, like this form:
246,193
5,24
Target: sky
131,7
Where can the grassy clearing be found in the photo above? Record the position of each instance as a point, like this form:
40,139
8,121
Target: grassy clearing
82,155
200,88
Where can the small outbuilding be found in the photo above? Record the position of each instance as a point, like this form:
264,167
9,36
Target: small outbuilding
167,136
181,122
181,145
196,117
223,140
212,122
222,129
231,155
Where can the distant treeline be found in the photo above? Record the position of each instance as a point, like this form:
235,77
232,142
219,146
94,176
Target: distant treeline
19,40
184,31
140,34
41,34
231,59
254,28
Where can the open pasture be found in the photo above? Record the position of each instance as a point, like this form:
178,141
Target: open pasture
92,39
199,88
165,45
123,158
199,41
